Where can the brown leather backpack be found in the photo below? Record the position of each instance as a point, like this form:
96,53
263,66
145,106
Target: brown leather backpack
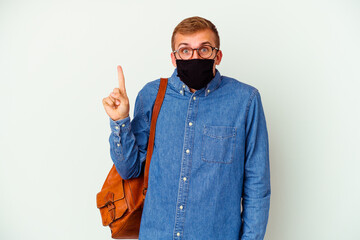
121,201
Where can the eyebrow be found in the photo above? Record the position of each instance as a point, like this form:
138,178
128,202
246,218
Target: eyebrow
203,43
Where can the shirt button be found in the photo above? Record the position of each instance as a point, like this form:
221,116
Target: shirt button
208,90
184,178
190,123
194,98
187,151
183,85
181,91
178,234
116,127
118,144
181,207
123,125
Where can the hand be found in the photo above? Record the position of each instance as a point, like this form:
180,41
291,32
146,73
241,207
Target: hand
117,103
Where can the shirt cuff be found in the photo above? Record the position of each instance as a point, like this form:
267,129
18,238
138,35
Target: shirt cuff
122,124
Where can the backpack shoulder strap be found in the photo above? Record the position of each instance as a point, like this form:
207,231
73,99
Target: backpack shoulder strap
158,102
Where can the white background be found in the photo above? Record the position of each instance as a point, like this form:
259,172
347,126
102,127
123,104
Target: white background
58,60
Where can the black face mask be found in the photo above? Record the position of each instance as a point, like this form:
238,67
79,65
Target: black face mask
195,73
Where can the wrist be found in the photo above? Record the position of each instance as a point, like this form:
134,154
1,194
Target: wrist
120,118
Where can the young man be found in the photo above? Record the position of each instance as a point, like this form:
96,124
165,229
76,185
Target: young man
211,146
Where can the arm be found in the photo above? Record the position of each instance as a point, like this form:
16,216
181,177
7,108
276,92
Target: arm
128,142
256,189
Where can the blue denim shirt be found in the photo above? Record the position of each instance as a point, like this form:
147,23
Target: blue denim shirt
210,152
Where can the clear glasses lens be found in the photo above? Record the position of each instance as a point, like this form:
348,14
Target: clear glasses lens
185,53
205,51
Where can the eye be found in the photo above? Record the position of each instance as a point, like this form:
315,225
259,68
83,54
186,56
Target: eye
205,49
184,50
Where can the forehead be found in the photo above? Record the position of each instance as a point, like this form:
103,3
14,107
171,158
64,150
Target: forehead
194,39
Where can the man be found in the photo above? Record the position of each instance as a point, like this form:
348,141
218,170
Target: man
211,146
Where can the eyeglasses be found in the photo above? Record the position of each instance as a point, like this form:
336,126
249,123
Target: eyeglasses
186,53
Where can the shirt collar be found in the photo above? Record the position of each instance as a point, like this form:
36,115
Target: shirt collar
180,86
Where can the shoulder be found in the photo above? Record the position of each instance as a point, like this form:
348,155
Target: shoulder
150,88
148,92
239,88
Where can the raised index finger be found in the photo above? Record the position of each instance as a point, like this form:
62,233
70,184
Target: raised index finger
121,78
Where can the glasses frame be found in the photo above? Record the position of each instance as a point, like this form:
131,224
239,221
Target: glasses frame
197,50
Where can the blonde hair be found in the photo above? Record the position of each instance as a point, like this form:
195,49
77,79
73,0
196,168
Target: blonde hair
194,24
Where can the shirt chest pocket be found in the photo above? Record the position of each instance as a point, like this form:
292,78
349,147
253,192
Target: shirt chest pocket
218,144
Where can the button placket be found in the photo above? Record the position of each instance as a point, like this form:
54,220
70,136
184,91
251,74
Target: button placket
185,168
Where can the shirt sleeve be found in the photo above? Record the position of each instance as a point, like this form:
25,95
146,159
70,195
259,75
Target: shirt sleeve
256,189
128,142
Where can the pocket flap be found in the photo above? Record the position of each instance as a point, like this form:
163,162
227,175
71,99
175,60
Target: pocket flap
112,204
219,131
111,194
113,211
103,198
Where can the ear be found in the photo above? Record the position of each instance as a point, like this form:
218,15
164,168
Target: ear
218,57
173,59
